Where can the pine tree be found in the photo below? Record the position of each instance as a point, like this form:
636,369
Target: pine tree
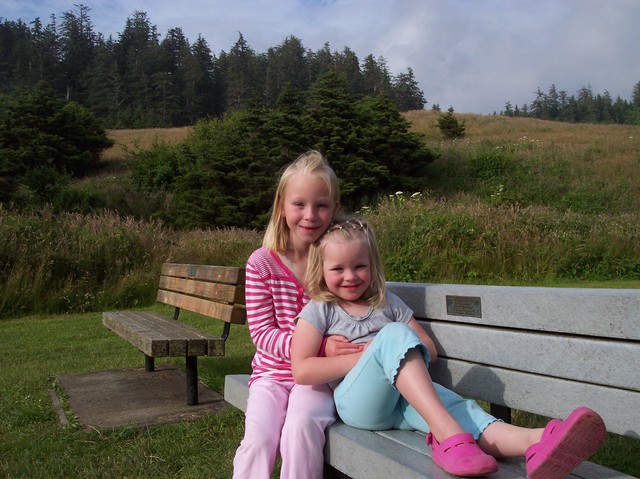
449,125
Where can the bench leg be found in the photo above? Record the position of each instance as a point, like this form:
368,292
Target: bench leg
192,380
500,412
149,364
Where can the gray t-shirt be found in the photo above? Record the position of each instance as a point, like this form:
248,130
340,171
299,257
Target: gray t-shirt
331,319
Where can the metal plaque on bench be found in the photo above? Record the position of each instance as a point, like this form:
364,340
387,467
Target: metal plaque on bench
464,306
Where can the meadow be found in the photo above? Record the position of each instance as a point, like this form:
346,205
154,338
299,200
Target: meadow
516,201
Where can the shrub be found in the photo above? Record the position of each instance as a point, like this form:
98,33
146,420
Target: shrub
450,127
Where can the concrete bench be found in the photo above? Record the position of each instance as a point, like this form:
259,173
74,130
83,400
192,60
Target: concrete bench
541,350
213,291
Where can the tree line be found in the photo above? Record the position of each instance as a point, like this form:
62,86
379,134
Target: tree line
585,107
140,80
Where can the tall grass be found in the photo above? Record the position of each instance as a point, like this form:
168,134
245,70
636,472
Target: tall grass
77,263
80,263
571,167
431,240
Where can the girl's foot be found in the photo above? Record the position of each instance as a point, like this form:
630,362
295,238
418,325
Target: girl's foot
565,444
460,455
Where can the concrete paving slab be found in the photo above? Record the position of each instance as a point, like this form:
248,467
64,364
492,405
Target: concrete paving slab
134,397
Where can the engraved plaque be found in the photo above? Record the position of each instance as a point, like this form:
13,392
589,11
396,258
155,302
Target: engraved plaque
192,270
464,306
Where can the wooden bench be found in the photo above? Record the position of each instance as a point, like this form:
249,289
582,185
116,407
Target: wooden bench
542,350
213,291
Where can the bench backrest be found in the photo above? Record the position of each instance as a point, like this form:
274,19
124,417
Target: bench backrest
214,291
542,350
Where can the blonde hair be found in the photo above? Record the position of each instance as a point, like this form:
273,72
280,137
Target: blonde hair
350,229
312,164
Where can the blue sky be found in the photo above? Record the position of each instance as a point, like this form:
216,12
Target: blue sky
473,55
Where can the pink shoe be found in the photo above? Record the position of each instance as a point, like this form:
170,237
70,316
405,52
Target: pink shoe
460,455
565,444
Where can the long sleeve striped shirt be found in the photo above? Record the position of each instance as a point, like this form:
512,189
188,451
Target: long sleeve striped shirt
274,297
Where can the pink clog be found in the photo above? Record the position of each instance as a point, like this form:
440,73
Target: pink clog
460,455
565,444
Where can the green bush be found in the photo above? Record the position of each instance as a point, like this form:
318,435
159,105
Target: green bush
44,141
450,127
225,173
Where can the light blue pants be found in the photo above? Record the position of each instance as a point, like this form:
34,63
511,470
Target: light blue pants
368,399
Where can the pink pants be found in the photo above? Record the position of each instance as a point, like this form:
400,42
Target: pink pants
287,419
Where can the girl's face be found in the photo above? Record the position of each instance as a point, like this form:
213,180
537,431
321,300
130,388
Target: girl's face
346,269
307,209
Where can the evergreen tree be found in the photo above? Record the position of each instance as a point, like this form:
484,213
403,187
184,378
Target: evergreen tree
44,140
320,62
449,125
137,57
77,44
347,64
203,95
635,96
396,158
406,92
104,86
239,73
375,76
286,65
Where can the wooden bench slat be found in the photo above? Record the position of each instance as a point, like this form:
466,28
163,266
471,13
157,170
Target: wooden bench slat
157,336
218,274
213,291
151,344
224,312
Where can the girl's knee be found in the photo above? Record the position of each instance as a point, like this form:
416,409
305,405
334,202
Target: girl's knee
394,329
397,334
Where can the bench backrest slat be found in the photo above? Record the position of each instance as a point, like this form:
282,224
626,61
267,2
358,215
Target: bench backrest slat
214,291
542,350
612,313
215,274
544,395
561,356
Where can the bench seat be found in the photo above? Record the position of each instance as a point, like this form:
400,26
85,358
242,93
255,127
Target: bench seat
157,336
363,454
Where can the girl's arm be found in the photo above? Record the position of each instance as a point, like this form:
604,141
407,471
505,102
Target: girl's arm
307,367
425,338
266,333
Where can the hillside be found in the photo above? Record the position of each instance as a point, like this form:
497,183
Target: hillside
585,168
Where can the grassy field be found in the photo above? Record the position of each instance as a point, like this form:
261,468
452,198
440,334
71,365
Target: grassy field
38,349
516,201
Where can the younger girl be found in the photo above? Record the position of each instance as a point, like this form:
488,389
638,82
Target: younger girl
388,385
283,418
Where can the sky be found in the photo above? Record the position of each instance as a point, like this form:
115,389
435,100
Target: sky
472,55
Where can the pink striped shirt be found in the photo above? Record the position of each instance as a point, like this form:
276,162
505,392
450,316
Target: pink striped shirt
274,297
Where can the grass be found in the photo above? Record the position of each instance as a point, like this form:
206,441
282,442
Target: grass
35,445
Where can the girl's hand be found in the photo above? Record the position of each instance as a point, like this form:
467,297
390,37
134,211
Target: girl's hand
339,345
